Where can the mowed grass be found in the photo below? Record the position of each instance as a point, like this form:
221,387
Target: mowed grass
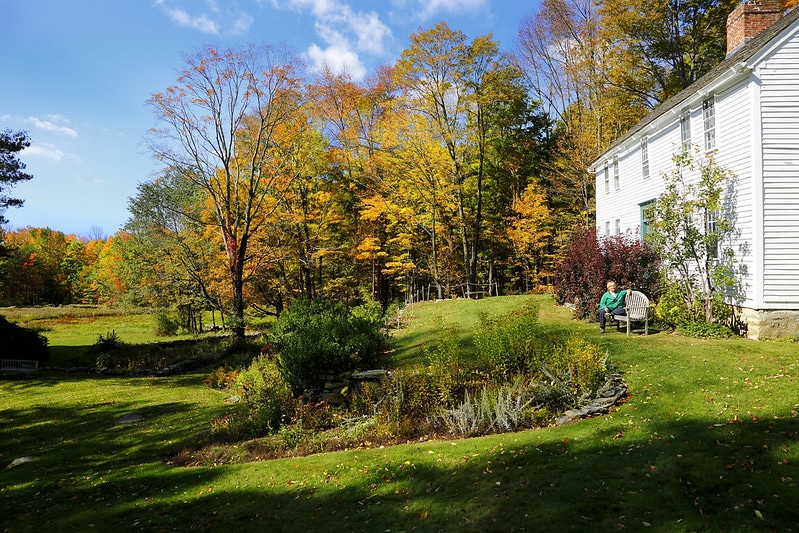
71,331
708,440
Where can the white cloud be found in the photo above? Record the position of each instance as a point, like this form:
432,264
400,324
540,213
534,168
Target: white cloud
431,8
200,22
371,32
50,125
216,21
345,33
48,151
339,59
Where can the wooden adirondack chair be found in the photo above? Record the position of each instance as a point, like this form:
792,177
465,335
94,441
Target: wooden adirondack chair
637,306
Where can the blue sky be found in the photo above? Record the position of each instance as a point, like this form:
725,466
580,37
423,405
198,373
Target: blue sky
76,75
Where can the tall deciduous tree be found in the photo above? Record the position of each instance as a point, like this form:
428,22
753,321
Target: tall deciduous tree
530,232
11,168
568,64
660,47
454,82
219,129
358,120
168,228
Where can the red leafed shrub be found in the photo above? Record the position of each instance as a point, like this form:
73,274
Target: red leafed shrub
591,261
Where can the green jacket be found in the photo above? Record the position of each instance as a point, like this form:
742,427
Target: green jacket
608,301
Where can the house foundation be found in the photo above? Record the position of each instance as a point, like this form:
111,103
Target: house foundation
771,324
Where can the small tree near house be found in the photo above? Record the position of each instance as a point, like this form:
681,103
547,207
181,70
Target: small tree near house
691,227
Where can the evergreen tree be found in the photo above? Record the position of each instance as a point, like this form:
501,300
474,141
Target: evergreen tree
11,168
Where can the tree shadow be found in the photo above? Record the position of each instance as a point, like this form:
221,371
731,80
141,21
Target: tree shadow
691,475
686,475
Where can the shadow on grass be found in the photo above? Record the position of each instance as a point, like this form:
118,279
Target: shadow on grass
698,477
66,356
685,476
156,354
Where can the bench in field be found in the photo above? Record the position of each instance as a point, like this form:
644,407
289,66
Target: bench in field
18,365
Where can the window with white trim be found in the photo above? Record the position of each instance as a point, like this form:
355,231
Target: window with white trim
711,227
709,121
645,158
607,228
616,184
618,227
607,178
685,133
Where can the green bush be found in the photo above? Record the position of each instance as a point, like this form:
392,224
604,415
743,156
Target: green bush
444,366
105,346
266,402
166,323
582,364
506,344
108,342
318,336
675,313
672,309
705,330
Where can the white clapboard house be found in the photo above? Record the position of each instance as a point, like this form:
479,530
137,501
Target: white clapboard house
746,112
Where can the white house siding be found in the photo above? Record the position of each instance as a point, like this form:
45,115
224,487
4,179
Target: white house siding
734,152
779,76
624,204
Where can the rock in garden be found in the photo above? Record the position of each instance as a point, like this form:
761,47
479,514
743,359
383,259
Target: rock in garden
132,418
19,461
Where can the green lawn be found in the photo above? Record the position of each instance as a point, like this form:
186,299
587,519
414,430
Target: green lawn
707,441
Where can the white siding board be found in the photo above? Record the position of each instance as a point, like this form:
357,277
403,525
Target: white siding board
780,118
734,152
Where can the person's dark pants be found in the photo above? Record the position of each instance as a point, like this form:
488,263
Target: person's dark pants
617,311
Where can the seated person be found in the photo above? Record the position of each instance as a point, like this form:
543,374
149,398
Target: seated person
612,302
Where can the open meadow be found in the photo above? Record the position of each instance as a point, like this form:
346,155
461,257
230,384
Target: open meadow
707,440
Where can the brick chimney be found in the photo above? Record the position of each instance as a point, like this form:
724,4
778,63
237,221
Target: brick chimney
749,19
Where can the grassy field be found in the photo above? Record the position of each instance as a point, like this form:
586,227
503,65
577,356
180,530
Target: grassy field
72,330
708,440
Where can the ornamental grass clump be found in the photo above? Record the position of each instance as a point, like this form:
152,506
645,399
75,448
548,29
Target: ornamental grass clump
494,409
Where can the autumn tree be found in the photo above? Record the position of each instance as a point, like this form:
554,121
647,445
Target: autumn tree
659,47
116,275
422,204
568,64
359,122
453,82
560,52
168,227
519,152
11,168
34,267
218,129
530,232
302,255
